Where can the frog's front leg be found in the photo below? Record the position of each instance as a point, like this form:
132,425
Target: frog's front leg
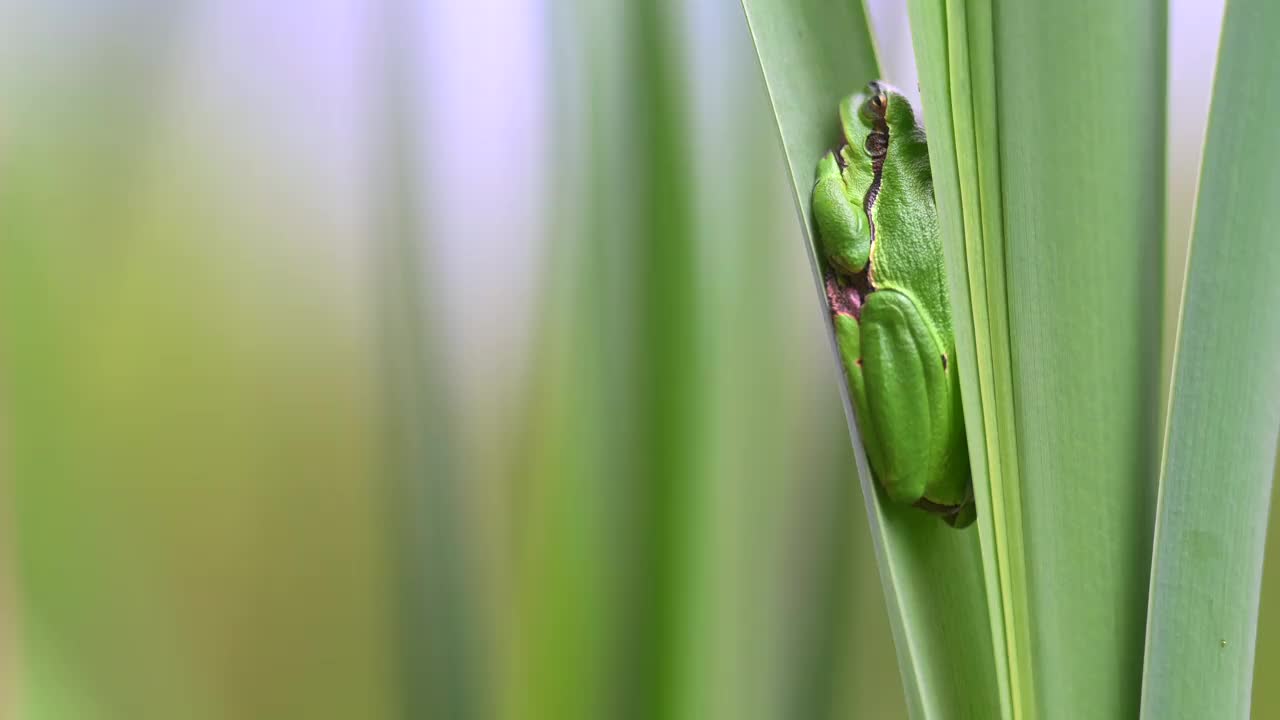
907,397
842,223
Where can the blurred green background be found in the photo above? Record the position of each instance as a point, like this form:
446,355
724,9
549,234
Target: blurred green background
373,359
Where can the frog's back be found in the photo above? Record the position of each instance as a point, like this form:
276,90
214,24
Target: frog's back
907,252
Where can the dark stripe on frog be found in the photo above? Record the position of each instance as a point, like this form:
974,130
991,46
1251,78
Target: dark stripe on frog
877,147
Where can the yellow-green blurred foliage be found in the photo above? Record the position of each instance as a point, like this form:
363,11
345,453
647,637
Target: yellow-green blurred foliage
192,453
251,473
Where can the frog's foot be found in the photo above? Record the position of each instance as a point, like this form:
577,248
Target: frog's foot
843,299
963,517
957,516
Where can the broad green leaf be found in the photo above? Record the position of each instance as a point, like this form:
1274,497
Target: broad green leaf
1224,408
1080,107
1032,179
813,54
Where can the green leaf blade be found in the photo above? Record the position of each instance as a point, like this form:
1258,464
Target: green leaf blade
1081,138
1225,407
953,46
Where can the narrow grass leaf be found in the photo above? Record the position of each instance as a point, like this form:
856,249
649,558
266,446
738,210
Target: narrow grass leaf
1224,408
436,646
954,54
614,433
560,522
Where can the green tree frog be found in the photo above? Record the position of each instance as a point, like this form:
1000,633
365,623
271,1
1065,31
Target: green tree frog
881,254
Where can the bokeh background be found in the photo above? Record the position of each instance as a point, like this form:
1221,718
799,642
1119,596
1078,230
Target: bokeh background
380,359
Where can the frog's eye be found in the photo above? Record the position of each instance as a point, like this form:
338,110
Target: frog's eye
876,103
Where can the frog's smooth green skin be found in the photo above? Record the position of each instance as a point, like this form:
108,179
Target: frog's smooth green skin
878,233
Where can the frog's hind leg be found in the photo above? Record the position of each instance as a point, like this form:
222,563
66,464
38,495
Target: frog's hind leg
907,397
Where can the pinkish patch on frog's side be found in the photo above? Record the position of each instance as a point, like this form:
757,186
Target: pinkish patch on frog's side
844,300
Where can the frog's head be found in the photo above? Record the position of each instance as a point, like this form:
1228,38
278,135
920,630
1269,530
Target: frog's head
881,107
894,108
867,113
